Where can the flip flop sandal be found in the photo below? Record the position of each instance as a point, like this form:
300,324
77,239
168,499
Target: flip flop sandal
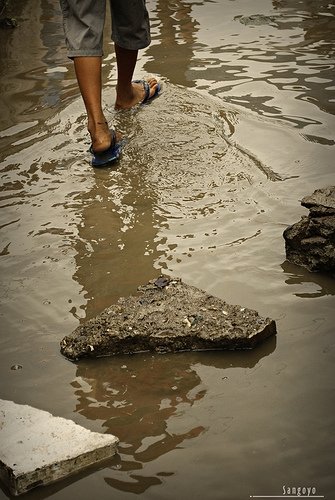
110,155
146,87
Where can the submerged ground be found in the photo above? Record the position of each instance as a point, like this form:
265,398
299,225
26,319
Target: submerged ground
212,174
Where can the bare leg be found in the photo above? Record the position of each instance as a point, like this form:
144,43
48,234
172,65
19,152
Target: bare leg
129,94
88,72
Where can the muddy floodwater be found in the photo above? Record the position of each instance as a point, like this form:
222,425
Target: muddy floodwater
211,175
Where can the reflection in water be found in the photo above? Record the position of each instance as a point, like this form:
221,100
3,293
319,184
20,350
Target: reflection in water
52,37
36,84
314,54
321,284
135,402
172,53
147,400
117,235
317,20
247,65
135,212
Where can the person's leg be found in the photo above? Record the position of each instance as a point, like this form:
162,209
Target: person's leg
128,93
88,72
85,49
130,32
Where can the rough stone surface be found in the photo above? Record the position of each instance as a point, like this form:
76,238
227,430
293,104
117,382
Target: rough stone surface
256,20
167,315
38,448
311,241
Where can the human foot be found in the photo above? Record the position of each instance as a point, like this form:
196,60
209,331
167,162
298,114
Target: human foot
109,155
139,91
101,138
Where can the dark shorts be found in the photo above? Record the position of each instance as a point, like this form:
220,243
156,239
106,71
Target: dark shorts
84,22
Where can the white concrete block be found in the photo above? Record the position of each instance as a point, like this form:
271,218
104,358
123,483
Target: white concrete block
37,448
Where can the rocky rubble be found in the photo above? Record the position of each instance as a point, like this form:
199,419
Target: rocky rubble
167,315
311,241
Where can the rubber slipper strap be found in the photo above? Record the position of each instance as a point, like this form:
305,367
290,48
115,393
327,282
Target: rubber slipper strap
146,87
147,91
113,134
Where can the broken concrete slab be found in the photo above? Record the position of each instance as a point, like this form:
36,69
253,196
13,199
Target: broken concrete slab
311,241
38,448
167,315
321,202
256,20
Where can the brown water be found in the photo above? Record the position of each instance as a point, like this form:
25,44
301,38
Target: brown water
212,174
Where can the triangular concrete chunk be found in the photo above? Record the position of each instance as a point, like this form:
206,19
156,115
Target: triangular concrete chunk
37,448
167,315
